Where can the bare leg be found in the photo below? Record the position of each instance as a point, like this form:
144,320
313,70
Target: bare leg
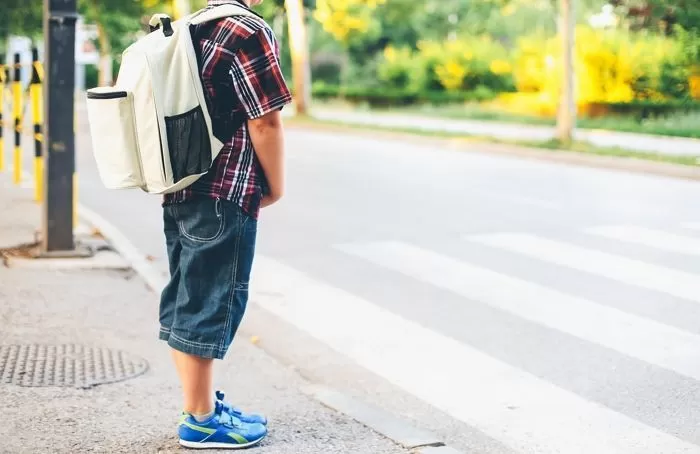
196,377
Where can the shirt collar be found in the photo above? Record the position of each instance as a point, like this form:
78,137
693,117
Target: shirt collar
229,2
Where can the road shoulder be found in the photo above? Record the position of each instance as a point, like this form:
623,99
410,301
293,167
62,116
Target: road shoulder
483,145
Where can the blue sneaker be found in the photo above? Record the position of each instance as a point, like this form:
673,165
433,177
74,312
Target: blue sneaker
221,431
250,418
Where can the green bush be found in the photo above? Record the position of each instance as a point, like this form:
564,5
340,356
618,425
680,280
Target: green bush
461,65
91,76
327,71
644,109
396,97
674,80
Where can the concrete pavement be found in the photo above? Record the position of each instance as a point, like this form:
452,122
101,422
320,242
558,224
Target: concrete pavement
113,310
507,305
675,146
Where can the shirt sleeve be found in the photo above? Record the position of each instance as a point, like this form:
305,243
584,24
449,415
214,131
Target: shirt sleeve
257,75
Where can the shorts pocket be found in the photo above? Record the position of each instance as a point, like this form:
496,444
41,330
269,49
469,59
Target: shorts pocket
189,144
201,220
114,140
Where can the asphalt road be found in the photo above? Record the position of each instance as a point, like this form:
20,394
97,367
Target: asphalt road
509,305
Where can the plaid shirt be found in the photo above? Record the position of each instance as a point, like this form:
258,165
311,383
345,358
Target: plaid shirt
239,62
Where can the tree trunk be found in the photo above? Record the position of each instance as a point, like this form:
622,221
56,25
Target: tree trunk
567,103
104,74
299,47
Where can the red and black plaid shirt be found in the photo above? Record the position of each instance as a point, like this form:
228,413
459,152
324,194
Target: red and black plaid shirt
240,67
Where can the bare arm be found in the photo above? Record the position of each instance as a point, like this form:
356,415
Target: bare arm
267,136
262,91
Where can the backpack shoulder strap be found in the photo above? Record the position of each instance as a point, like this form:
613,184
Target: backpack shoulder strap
219,12
157,19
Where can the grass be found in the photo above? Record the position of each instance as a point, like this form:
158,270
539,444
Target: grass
679,125
585,147
553,145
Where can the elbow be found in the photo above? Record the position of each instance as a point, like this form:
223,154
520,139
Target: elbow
276,194
266,123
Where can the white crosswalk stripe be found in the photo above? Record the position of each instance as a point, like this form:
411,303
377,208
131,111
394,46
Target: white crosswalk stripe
649,237
522,411
629,271
632,335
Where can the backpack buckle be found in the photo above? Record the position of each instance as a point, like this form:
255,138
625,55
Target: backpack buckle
162,21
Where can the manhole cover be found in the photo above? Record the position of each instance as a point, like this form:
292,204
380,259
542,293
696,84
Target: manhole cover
68,365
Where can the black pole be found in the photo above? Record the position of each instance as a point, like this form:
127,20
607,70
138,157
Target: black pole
60,17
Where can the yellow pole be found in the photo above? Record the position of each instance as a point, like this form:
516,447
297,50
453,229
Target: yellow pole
37,119
3,79
17,113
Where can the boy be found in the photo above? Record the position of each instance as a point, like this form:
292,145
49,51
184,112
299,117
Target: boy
210,227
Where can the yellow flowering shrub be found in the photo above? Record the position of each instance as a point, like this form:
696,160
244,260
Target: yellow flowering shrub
611,66
342,18
463,64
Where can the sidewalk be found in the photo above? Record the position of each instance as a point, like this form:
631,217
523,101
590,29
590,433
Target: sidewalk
672,146
108,311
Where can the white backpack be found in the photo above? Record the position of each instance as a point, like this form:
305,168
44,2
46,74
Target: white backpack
152,130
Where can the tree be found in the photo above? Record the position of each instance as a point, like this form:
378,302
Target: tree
299,47
566,120
117,21
661,15
20,17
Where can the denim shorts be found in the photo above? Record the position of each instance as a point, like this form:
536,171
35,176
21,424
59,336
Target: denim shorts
211,244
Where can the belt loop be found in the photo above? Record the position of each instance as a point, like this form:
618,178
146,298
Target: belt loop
218,207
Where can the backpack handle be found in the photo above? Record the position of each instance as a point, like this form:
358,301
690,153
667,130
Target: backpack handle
162,21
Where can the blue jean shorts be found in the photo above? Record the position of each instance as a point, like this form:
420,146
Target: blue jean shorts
211,244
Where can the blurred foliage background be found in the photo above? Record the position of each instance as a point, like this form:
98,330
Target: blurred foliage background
636,58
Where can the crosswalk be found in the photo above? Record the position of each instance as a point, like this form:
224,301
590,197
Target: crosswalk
608,266
524,411
652,238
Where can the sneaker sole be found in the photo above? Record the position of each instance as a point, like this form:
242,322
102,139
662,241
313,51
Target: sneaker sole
215,445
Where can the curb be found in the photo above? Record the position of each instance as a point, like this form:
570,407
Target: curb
628,164
406,435
438,450
155,280
382,422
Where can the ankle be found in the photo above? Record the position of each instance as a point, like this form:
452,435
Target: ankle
200,409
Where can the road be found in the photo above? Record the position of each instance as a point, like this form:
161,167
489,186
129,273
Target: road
509,305
673,146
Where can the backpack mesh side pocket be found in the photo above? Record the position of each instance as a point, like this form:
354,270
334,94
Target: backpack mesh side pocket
189,144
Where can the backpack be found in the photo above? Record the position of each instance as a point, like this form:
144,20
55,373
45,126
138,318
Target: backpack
152,129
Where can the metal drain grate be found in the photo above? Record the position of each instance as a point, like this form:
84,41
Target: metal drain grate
67,365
